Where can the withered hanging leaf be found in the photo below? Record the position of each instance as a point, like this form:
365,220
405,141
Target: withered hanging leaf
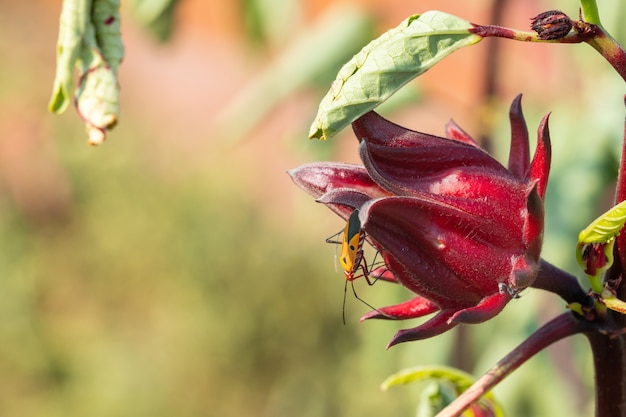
89,40
73,21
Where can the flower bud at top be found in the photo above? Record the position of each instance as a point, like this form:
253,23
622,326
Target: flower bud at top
551,25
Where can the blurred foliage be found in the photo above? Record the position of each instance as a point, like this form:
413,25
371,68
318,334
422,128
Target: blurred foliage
130,286
339,32
156,16
166,297
440,386
269,22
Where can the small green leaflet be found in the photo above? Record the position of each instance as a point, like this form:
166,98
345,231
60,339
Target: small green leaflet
600,236
606,227
386,64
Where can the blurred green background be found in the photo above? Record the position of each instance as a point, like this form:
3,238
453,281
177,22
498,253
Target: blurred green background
176,271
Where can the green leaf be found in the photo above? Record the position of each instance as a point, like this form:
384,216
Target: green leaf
436,397
460,379
606,227
386,64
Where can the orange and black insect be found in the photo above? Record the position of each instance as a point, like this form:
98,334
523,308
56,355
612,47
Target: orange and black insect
352,259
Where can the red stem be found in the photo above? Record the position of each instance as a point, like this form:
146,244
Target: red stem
609,352
620,195
558,328
610,373
495,31
611,50
594,35
553,279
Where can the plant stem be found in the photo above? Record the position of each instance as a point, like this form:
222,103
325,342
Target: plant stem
610,49
609,352
553,279
494,31
609,359
620,195
590,33
558,328
589,10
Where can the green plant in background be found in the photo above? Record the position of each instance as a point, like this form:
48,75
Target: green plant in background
457,228
445,385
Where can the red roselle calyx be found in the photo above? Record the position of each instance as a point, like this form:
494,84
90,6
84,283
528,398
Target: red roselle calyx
454,226
594,257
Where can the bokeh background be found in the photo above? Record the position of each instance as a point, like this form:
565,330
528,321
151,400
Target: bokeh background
176,271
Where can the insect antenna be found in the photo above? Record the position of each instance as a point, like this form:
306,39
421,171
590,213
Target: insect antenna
343,306
332,239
